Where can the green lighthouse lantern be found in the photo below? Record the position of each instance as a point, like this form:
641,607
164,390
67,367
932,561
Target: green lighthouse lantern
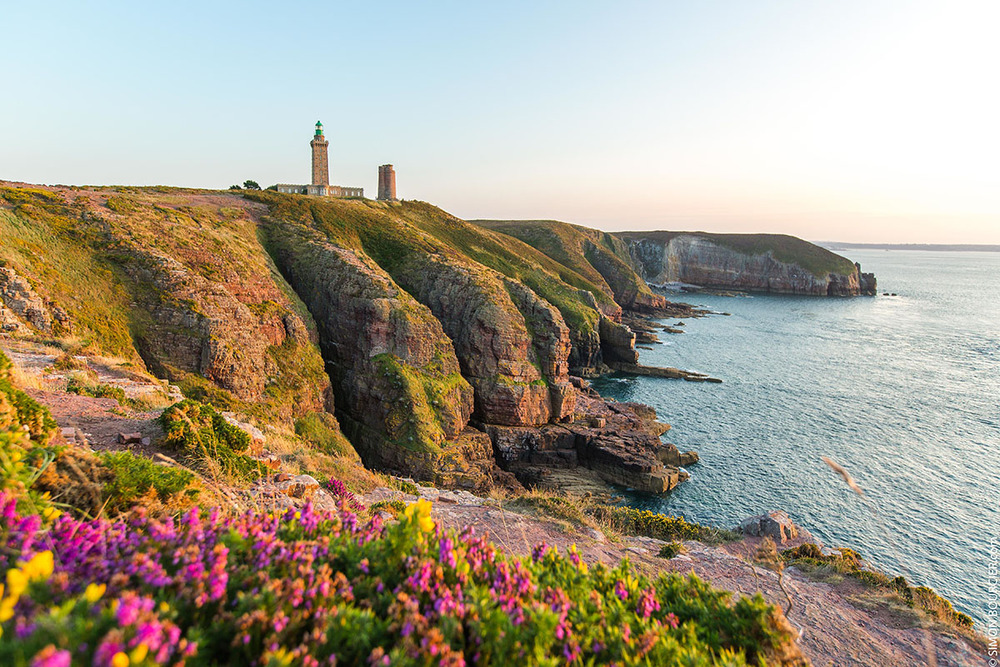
319,129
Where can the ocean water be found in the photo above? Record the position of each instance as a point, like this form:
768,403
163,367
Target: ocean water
902,391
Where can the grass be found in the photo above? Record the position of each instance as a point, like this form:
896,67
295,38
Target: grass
597,256
563,511
321,431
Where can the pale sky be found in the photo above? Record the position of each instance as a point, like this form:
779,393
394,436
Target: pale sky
858,120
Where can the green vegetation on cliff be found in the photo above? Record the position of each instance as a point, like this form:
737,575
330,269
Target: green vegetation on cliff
601,258
391,233
172,280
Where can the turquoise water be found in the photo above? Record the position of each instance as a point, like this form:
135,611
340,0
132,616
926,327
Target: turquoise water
902,391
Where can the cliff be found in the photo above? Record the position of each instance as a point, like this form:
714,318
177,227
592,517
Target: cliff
424,334
754,262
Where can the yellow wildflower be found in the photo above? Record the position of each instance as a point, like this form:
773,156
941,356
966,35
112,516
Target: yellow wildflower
16,583
421,510
119,660
94,592
139,653
7,609
39,567
51,514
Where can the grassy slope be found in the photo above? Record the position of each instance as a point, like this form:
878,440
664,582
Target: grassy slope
598,256
790,249
389,233
73,245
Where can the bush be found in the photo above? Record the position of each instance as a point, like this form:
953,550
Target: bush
393,507
671,549
631,521
19,409
135,476
306,587
196,429
26,429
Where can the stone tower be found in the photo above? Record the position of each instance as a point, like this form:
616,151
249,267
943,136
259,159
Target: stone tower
321,163
386,183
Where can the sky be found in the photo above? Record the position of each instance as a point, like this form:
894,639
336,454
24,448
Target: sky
854,120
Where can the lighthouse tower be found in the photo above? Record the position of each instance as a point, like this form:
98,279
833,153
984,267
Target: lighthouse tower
320,161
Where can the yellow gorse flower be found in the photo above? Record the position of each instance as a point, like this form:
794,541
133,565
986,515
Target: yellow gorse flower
421,511
119,660
39,567
94,592
139,653
16,583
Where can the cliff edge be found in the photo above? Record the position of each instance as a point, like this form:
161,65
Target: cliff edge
774,263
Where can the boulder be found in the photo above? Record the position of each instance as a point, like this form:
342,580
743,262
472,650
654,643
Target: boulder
777,525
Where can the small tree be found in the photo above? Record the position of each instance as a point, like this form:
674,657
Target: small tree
234,187
251,185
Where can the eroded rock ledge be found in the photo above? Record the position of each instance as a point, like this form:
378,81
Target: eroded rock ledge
620,442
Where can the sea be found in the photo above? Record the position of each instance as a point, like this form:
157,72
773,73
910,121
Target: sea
903,391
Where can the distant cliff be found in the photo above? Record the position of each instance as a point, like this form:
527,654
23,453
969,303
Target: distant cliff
754,262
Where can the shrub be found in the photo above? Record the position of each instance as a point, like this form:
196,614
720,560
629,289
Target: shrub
392,506
198,430
17,408
135,476
306,587
631,521
671,549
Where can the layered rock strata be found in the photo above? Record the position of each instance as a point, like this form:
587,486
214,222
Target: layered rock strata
699,260
512,346
618,441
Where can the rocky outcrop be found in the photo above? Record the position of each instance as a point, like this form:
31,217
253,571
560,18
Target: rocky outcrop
198,326
400,395
617,343
20,304
767,264
662,372
617,441
776,525
512,346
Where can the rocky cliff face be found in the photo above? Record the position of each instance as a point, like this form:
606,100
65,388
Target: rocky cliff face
513,347
439,339
701,260
177,282
399,392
